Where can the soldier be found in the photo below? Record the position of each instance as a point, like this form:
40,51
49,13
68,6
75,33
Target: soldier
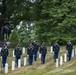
17,53
69,48
36,47
30,53
56,49
4,54
43,52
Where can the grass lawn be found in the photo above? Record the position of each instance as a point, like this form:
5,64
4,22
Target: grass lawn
68,68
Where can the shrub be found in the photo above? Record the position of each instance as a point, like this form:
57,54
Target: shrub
14,39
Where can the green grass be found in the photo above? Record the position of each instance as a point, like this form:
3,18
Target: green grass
68,68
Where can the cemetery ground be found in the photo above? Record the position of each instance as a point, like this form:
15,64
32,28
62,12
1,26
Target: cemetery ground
49,68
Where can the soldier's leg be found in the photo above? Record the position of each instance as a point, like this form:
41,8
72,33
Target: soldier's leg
35,56
70,53
55,57
16,61
5,60
43,59
31,60
68,56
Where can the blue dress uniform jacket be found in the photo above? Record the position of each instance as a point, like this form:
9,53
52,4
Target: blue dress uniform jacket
4,52
36,47
43,50
18,52
30,51
56,47
69,46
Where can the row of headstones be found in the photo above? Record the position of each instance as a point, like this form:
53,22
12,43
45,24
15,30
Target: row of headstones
13,65
62,59
19,62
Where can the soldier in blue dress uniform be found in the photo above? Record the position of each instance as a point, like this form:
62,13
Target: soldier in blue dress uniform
43,52
17,53
30,53
56,49
4,54
36,47
69,48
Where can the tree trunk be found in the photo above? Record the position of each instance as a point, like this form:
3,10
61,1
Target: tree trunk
2,18
1,35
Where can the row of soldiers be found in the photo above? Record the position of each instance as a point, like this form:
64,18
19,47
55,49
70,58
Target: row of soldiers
56,50
32,51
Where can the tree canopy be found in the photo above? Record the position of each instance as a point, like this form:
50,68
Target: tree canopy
54,19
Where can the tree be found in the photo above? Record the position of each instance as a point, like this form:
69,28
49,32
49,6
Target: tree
57,21
15,11
14,39
25,33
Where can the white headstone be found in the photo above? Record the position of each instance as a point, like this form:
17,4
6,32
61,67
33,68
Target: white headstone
23,50
56,62
25,61
65,57
39,55
13,65
51,49
13,54
0,49
6,68
19,63
72,53
61,60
